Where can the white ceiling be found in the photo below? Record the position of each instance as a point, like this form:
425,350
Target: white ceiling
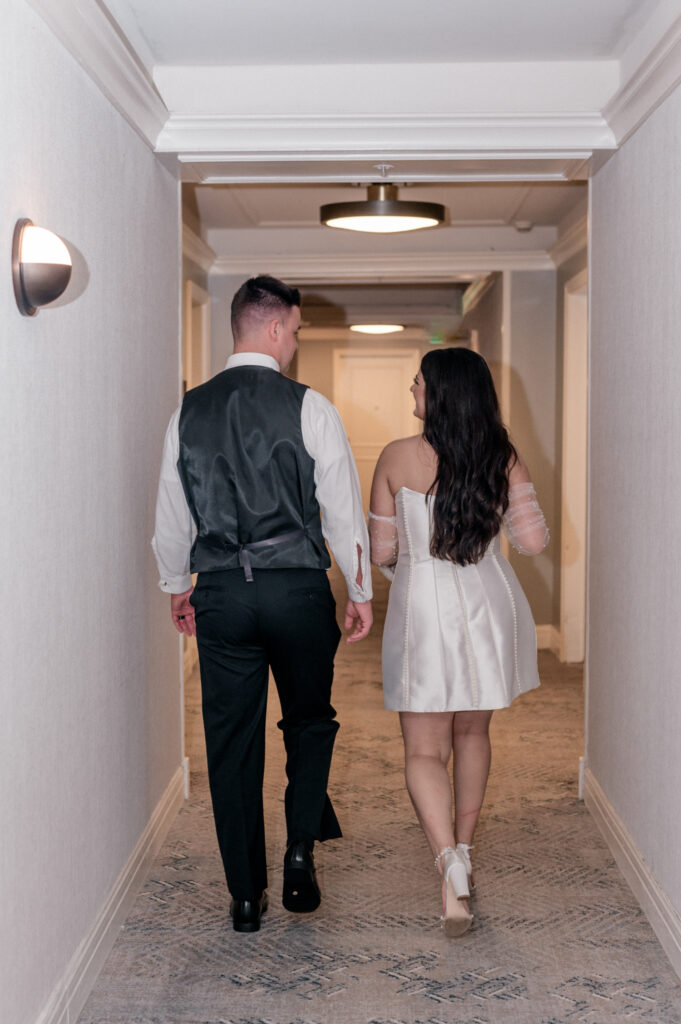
273,32
498,109
467,205
431,309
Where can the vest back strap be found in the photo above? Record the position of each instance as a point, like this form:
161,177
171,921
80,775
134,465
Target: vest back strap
243,549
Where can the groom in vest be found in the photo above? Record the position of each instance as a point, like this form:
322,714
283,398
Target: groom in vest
250,460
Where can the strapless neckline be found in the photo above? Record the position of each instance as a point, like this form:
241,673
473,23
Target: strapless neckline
411,490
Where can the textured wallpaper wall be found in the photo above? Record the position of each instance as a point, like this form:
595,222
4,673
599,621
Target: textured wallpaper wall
534,408
90,722
634,718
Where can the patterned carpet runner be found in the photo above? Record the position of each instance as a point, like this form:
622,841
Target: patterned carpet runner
558,938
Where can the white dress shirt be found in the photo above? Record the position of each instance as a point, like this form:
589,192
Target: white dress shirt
336,486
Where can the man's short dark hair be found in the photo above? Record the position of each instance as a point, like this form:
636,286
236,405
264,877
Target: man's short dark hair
263,296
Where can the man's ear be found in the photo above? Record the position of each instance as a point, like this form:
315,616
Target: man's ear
273,329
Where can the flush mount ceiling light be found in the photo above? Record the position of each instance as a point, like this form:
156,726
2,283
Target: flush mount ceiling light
382,212
41,266
376,328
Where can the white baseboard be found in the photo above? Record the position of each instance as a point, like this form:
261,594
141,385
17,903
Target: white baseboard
71,992
664,919
548,639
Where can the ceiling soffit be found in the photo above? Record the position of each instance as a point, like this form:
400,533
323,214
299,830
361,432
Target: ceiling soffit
562,112
267,32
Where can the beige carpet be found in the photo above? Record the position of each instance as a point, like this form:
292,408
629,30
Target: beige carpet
558,937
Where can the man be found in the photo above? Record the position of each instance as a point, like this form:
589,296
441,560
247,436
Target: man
250,459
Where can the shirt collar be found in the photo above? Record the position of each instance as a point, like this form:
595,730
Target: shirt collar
252,359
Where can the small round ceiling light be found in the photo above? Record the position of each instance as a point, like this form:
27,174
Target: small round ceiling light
376,328
41,266
382,212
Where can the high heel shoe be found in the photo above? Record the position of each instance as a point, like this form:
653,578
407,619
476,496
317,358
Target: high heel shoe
456,919
464,849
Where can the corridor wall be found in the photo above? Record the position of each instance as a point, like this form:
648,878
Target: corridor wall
222,288
634,651
533,401
527,313
90,722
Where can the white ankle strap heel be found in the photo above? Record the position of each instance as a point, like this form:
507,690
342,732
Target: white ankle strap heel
455,871
464,850
456,919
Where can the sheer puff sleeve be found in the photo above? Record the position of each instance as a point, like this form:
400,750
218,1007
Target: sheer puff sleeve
383,543
524,522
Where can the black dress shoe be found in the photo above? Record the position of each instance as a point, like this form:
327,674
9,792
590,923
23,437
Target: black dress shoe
246,913
301,892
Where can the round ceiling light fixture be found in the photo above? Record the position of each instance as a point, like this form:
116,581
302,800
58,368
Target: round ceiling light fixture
376,328
382,212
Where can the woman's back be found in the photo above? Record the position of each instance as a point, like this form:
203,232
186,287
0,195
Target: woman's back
410,462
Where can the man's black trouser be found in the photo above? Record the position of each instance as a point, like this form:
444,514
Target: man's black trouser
284,618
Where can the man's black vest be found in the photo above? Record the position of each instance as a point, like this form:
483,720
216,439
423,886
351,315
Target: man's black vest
246,474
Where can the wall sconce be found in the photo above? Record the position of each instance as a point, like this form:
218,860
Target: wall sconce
41,266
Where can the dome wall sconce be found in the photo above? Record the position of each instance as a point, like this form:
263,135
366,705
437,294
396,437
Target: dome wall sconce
382,212
41,266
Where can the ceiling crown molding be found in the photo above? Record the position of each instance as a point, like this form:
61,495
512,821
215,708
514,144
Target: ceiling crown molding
570,137
90,34
647,87
432,267
85,28
195,249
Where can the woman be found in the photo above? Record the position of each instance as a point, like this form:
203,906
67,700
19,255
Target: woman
459,639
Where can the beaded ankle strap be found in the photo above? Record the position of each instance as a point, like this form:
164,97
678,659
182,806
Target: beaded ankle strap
447,849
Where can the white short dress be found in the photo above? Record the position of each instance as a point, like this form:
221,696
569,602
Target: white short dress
456,638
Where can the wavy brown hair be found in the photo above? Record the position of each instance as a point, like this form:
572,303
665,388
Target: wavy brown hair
474,454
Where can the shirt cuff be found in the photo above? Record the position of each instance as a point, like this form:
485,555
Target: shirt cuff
360,594
176,584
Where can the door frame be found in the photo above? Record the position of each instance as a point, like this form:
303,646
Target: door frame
195,296
574,476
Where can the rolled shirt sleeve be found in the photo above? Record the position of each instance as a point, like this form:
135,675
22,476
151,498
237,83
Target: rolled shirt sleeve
338,491
174,531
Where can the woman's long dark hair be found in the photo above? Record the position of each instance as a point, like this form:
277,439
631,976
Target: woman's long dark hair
463,426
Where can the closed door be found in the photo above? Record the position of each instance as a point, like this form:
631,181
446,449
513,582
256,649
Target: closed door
371,392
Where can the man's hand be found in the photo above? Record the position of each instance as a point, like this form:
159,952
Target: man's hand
361,612
183,613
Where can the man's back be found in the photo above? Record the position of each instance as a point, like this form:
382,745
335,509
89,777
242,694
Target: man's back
246,473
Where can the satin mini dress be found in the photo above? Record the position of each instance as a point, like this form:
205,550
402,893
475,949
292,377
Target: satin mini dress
456,638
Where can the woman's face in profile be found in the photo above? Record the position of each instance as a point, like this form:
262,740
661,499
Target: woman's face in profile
418,390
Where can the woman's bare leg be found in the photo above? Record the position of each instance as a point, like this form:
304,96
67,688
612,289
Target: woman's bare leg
427,749
472,757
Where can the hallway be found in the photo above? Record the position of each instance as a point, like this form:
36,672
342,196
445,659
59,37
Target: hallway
558,937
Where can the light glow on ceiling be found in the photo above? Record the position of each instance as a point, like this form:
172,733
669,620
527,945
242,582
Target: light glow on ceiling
376,328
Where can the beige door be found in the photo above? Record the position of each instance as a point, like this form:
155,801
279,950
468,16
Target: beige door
371,392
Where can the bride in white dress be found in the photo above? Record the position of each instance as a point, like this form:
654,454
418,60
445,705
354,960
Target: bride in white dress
459,638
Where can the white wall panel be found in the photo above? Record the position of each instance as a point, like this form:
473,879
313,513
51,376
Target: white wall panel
533,421
634,717
89,691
